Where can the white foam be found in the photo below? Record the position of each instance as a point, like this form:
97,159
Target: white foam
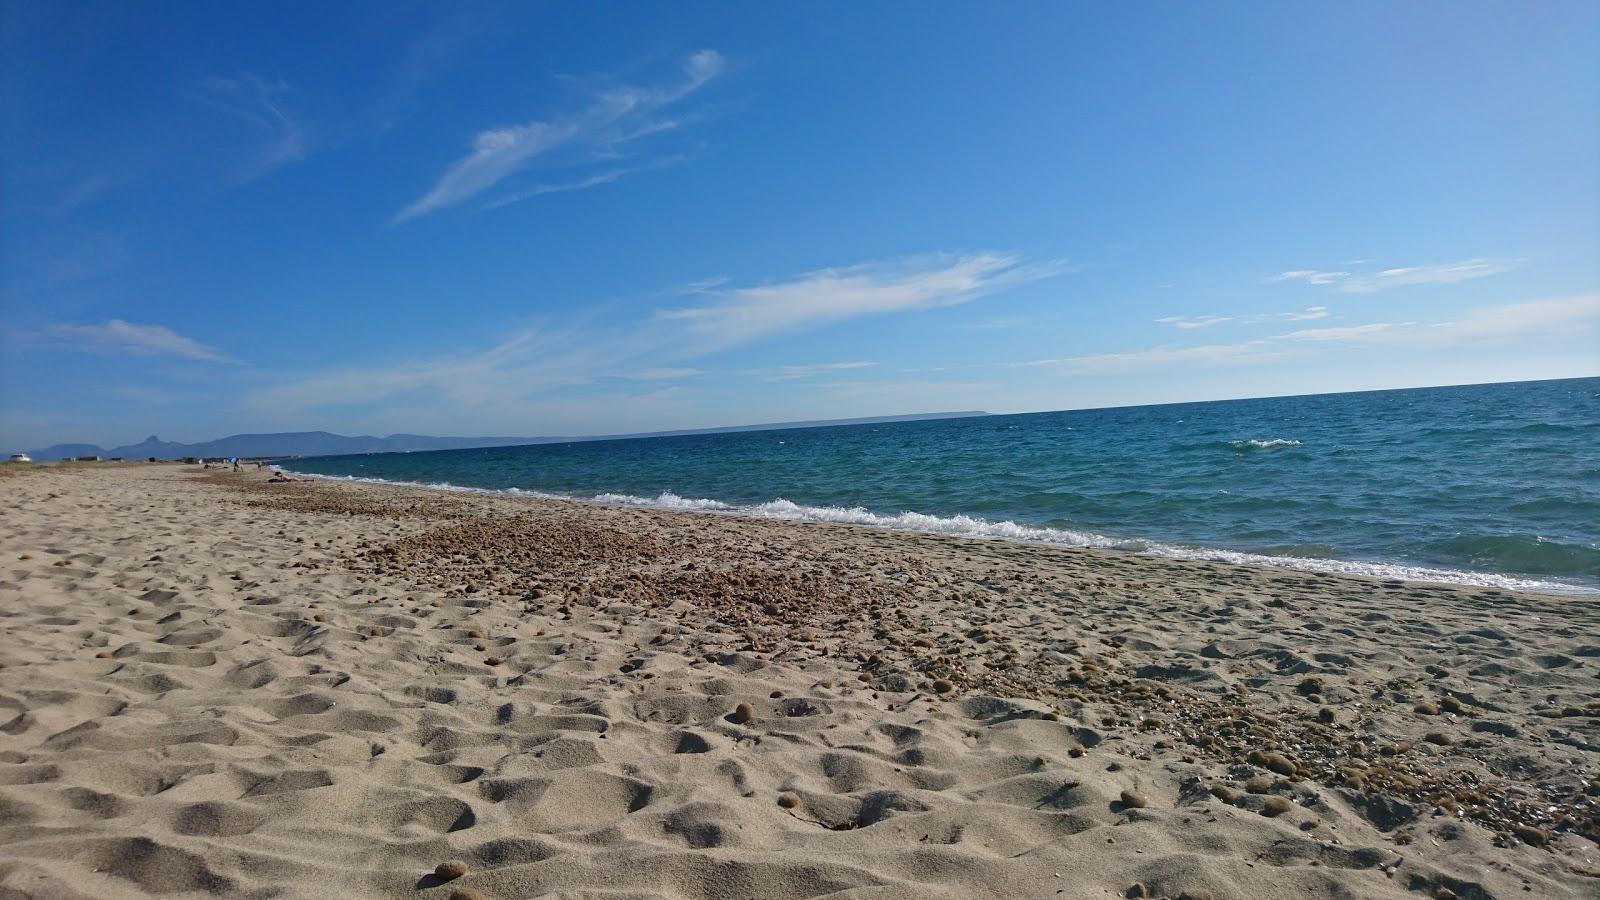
971,527
666,500
1254,444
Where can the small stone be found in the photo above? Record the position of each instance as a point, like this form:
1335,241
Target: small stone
1224,793
742,714
788,800
450,871
1426,709
1276,806
468,894
1326,716
492,660
1258,785
1439,737
1075,752
1451,705
942,686
1137,890
1132,799
474,634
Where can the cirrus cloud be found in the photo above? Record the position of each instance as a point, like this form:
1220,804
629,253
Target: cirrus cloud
737,315
119,337
616,117
1372,282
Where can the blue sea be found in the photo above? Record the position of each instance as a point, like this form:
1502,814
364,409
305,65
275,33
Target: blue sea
1494,485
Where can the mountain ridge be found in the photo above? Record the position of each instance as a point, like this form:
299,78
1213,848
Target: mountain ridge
327,443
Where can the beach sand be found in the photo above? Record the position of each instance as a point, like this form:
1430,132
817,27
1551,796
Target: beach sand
216,685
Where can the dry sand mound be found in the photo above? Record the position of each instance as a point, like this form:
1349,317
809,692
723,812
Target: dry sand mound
329,690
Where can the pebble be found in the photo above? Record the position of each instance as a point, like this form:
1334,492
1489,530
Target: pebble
742,714
788,800
450,871
1132,799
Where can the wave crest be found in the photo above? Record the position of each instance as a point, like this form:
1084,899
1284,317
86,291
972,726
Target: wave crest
1254,444
973,527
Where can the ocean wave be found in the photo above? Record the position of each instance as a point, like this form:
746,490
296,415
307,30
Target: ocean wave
665,500
973,527
1524,553
1254,444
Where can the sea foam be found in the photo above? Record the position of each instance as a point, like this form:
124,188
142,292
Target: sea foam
973,527
1254,444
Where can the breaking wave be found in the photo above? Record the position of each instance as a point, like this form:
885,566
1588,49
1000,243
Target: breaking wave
973,527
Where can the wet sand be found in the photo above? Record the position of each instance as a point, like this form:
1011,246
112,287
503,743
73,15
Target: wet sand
216,685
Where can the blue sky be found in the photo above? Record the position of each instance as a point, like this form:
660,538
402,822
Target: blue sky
587,218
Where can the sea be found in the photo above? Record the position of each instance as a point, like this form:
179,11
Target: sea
1495,485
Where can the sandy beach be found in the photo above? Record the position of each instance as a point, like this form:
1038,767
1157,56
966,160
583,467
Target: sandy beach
215,685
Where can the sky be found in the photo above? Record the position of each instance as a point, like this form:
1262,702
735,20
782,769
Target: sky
533,219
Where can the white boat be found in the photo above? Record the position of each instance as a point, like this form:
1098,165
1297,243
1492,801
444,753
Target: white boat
20,457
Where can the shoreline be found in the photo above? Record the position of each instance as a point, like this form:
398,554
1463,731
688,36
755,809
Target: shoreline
217,684
863,518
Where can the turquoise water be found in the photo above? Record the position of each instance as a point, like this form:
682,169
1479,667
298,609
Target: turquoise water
1487,484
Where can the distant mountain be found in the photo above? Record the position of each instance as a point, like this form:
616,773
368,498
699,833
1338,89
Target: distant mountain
66,451
298,443
325,443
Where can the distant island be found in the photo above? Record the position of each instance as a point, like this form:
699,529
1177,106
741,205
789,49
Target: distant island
326,443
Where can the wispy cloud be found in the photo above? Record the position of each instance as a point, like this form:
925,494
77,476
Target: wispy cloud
1571,318
83,191
525,364
258,103
1372,282
432,50
1559,319
1194,322
1345,333
616,117
737,315
1307,314
1244,352
664,373
119,337
582,184
536,365
789,373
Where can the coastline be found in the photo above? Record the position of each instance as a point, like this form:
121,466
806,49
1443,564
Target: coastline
964,527
220,684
